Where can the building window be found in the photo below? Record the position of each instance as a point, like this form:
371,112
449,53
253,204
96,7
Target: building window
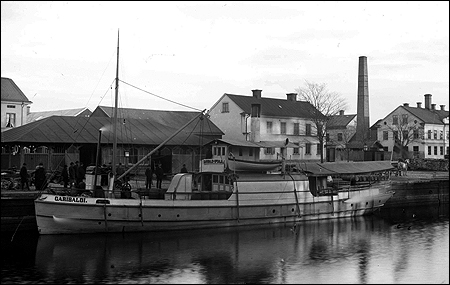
415,148
441,148
435,150
395,135
327,137
429,134
225,108
416,134
240,151
340,137
269,150
219,150
441,135
10,120
283,128
395,120
296,129
308,148
319,149
269,127
296,151
308,129
11,106
385,135
404,119
405,135
435,134
429,150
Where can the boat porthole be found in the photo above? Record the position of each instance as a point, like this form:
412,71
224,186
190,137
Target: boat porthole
351,205
178,215
159,215
431,191
109,214
292,210
99,223
379,201
367,203
273,211
140,215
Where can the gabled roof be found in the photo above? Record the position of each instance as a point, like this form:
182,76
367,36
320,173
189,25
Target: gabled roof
34,116
272,107
11,92
339,121
67,129
163,117
428,116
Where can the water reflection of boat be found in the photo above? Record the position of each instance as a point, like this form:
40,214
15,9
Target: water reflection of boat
230,255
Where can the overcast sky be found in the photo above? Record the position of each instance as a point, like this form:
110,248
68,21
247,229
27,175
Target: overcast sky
62,55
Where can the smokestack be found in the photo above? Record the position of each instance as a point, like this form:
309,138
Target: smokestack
291,96
419,104
257,93
442,107
341,112
362,115
433,106
406,104
427,101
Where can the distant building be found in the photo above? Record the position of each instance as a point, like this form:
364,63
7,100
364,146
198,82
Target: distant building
340,130
258,128
416,131
15,105
78,112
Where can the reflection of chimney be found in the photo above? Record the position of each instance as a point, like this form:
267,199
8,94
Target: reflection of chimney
406,104
291,96
433,106
419,104
427,101
442,107
362,114
257,93
341,112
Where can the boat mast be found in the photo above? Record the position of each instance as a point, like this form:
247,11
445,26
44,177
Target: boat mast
115,113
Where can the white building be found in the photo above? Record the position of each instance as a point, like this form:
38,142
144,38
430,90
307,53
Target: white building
258,128
14,109
422,131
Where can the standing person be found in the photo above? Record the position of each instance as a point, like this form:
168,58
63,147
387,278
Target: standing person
24,176
75,167
40,177
72,174
80,174
184,169
159,176
148,177
65,176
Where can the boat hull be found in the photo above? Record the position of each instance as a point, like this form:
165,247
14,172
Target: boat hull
67,215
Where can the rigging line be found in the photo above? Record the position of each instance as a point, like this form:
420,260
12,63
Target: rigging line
160,96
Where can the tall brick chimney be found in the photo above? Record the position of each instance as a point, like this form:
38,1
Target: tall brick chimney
362,114
291,96
427,101
257,93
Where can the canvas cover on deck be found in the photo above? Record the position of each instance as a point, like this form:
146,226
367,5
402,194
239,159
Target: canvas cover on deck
336,168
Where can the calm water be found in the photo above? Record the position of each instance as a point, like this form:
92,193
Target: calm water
405,246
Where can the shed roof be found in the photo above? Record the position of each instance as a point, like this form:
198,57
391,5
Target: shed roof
11,92
34,116
68,129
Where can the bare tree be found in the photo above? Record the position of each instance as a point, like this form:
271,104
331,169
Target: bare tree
326,104
405,133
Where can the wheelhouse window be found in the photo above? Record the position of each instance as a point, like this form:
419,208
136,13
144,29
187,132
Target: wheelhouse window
269,150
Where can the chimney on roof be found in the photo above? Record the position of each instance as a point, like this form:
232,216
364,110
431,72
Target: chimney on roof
419,104
341,112
257,93
427,101
442,107
291,96
433,106
406,104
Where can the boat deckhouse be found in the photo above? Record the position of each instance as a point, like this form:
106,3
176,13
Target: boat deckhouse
276,128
